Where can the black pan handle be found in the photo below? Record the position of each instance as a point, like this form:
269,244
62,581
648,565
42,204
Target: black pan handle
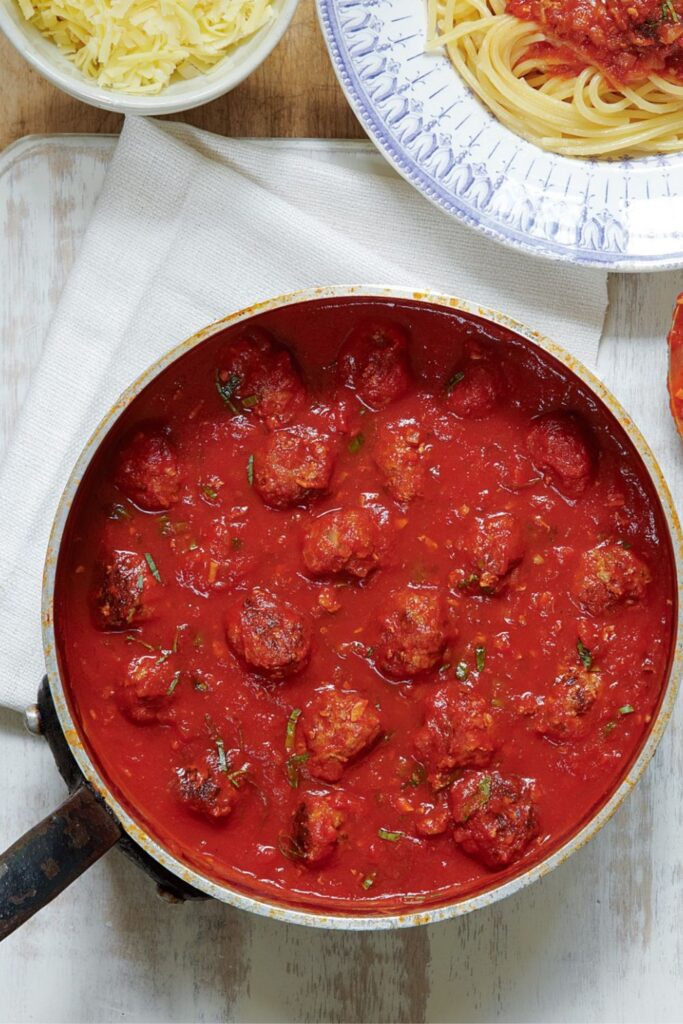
52,855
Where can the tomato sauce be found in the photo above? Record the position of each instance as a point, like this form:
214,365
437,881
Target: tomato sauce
404,708
627,41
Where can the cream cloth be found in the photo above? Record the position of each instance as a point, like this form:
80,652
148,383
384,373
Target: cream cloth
189,227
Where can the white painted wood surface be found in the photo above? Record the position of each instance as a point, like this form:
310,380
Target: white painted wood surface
601,939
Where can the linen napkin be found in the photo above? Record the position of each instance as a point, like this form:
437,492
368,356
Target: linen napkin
190,227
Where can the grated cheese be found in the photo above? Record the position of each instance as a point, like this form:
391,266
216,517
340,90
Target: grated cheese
139,46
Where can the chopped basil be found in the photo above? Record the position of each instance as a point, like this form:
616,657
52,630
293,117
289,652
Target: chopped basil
250,401
222,759
118,511
627,709
585,656
469,581
369,880
356,443
289,848
294,761
485,787
140,583
453,381
461,670
152,567
606,729
419,776
238,777
250,470
198,684
391,837
227,388
174,683
480,655
291,728
136,640
669,12
209,492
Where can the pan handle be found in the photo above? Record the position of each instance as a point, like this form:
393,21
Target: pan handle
52,855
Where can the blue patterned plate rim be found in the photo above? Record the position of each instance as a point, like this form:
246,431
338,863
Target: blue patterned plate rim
613,256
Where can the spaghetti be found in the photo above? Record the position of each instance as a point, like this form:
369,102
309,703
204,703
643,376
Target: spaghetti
558,88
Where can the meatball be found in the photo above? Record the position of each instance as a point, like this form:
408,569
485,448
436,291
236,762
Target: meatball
206,788
475,390
572,695
498,549
339,726
345,541
458,732
316,828
562,448
610,575
148,688
399,453
268,634
125,593
495,816
258,375
413,633
293,466
374,363
147,472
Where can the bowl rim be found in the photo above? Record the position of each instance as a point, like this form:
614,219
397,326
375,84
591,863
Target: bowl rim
268,906
81,88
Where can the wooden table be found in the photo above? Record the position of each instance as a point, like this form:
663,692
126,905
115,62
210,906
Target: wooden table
293,93
598,940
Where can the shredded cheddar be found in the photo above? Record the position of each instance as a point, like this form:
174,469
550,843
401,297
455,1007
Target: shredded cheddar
140,46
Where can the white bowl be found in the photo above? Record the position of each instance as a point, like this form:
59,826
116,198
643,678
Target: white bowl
46,58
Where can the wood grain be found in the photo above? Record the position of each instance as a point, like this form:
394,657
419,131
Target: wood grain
294,93
597,940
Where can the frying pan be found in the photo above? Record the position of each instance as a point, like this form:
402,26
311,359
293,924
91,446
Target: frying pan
91,821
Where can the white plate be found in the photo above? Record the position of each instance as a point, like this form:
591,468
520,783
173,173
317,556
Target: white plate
622,215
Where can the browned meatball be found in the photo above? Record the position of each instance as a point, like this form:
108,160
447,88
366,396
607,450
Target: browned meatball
374,362
610,575
573,694
400,455
148,473
258,376
126,591
339,726
148,688
344,541
293,466
498,549
413,632
563,449
475,389
458,732
206,788
316,827
495,816
268,634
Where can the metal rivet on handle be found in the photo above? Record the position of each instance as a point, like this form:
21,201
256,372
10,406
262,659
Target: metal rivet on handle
32,720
